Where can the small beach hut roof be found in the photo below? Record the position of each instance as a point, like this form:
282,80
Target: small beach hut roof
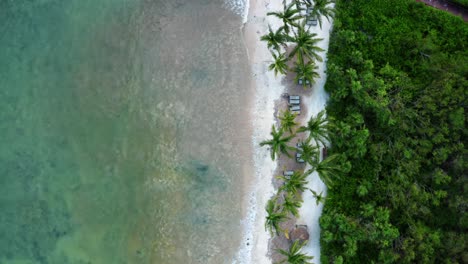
299,233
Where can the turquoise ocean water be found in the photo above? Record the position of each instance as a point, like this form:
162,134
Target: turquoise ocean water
123,127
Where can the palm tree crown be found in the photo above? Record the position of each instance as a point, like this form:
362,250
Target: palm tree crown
292,204
309,153
288,120
278,143
306,44
274,217
289,16
319,198
328,170
296,182
322,8
316,127
279,63
274,39
306,72
294,255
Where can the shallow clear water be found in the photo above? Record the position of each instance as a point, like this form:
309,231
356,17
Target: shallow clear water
124,136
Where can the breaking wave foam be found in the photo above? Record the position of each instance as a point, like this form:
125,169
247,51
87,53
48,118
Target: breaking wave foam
240,7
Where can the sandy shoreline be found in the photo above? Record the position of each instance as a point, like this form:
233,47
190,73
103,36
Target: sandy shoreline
256,247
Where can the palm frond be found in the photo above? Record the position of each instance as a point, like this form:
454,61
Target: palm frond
288,120
274,217
294,255
278,143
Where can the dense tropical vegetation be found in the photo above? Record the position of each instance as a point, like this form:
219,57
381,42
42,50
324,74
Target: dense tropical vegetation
460,2
397,78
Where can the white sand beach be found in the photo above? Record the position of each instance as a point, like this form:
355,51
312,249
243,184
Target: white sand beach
310,212
268,89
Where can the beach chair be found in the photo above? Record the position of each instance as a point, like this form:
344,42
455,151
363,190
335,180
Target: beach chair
299,81
312,21
294,102
299,158
294,97
295,108
288,173
296,112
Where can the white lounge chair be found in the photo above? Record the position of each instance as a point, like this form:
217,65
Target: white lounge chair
295,108
294,102
299,158
300,81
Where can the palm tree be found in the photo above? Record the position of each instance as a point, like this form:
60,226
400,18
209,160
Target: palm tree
328,170
296,182
289,16
322,8
274,217
309,153
316,127
292,204
306,72
288,120
279,64
294,255
306,44
278,143
274,39
319,198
